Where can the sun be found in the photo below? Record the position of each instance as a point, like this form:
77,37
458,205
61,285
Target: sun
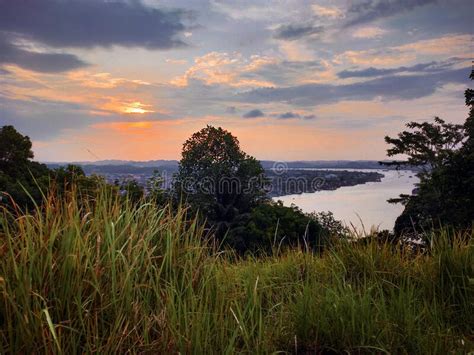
136,108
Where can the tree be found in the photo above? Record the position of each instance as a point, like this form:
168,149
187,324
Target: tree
25,182
73,175
14,148
271,225
427,145
155,190
21,179
444,154
217,178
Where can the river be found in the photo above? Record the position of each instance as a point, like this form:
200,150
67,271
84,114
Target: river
363,206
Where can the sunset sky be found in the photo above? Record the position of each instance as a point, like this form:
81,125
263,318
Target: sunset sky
292,79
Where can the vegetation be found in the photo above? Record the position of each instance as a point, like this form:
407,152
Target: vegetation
218,177
86,267
24,181
444,153
109,275
227,186
271,226
19,176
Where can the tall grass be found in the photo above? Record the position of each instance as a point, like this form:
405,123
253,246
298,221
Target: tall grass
104,275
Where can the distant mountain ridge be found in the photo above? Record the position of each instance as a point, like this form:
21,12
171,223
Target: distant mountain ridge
115,165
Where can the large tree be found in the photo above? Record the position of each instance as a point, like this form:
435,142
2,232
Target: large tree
444,155
216,177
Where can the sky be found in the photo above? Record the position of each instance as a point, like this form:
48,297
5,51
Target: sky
292,79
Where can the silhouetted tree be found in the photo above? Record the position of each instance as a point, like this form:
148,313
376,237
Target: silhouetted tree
25,181
217,178
444,154
20,178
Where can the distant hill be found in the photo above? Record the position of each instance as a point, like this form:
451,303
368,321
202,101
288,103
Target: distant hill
130,166
327,164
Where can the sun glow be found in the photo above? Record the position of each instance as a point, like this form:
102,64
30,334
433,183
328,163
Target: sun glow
136,107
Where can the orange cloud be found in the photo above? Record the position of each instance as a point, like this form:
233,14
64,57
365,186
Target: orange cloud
225,69
450,45
102,80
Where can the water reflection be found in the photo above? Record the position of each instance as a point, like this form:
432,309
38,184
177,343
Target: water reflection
359,204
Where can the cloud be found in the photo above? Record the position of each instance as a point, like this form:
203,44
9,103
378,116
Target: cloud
327,11
43,119
250,9
288,115
361,12
177,61
37,61
104,80
91,23
231,110
369,32
405,87
296,51
225,69
439,47
253,114
372,72
292,32
4,71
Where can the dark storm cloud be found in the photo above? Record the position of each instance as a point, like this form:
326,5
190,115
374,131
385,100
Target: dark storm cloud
404,87
371,72
253,114
365,11
293,31
40,62
90,23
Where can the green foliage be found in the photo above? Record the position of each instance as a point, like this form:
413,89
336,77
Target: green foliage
271,226
21,179
24,181
130,189
330,224
427,145
14,148
445,194
217,178
109,276
155,189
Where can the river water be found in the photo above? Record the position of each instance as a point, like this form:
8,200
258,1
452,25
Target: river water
364,206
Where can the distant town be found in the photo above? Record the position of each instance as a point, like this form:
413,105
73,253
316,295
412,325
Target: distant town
295,177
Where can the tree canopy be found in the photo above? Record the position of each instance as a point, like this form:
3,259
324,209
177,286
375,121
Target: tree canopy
228,187
24,182
444,153
216,176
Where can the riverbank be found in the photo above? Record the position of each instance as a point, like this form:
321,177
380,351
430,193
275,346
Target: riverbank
363,206
298,181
